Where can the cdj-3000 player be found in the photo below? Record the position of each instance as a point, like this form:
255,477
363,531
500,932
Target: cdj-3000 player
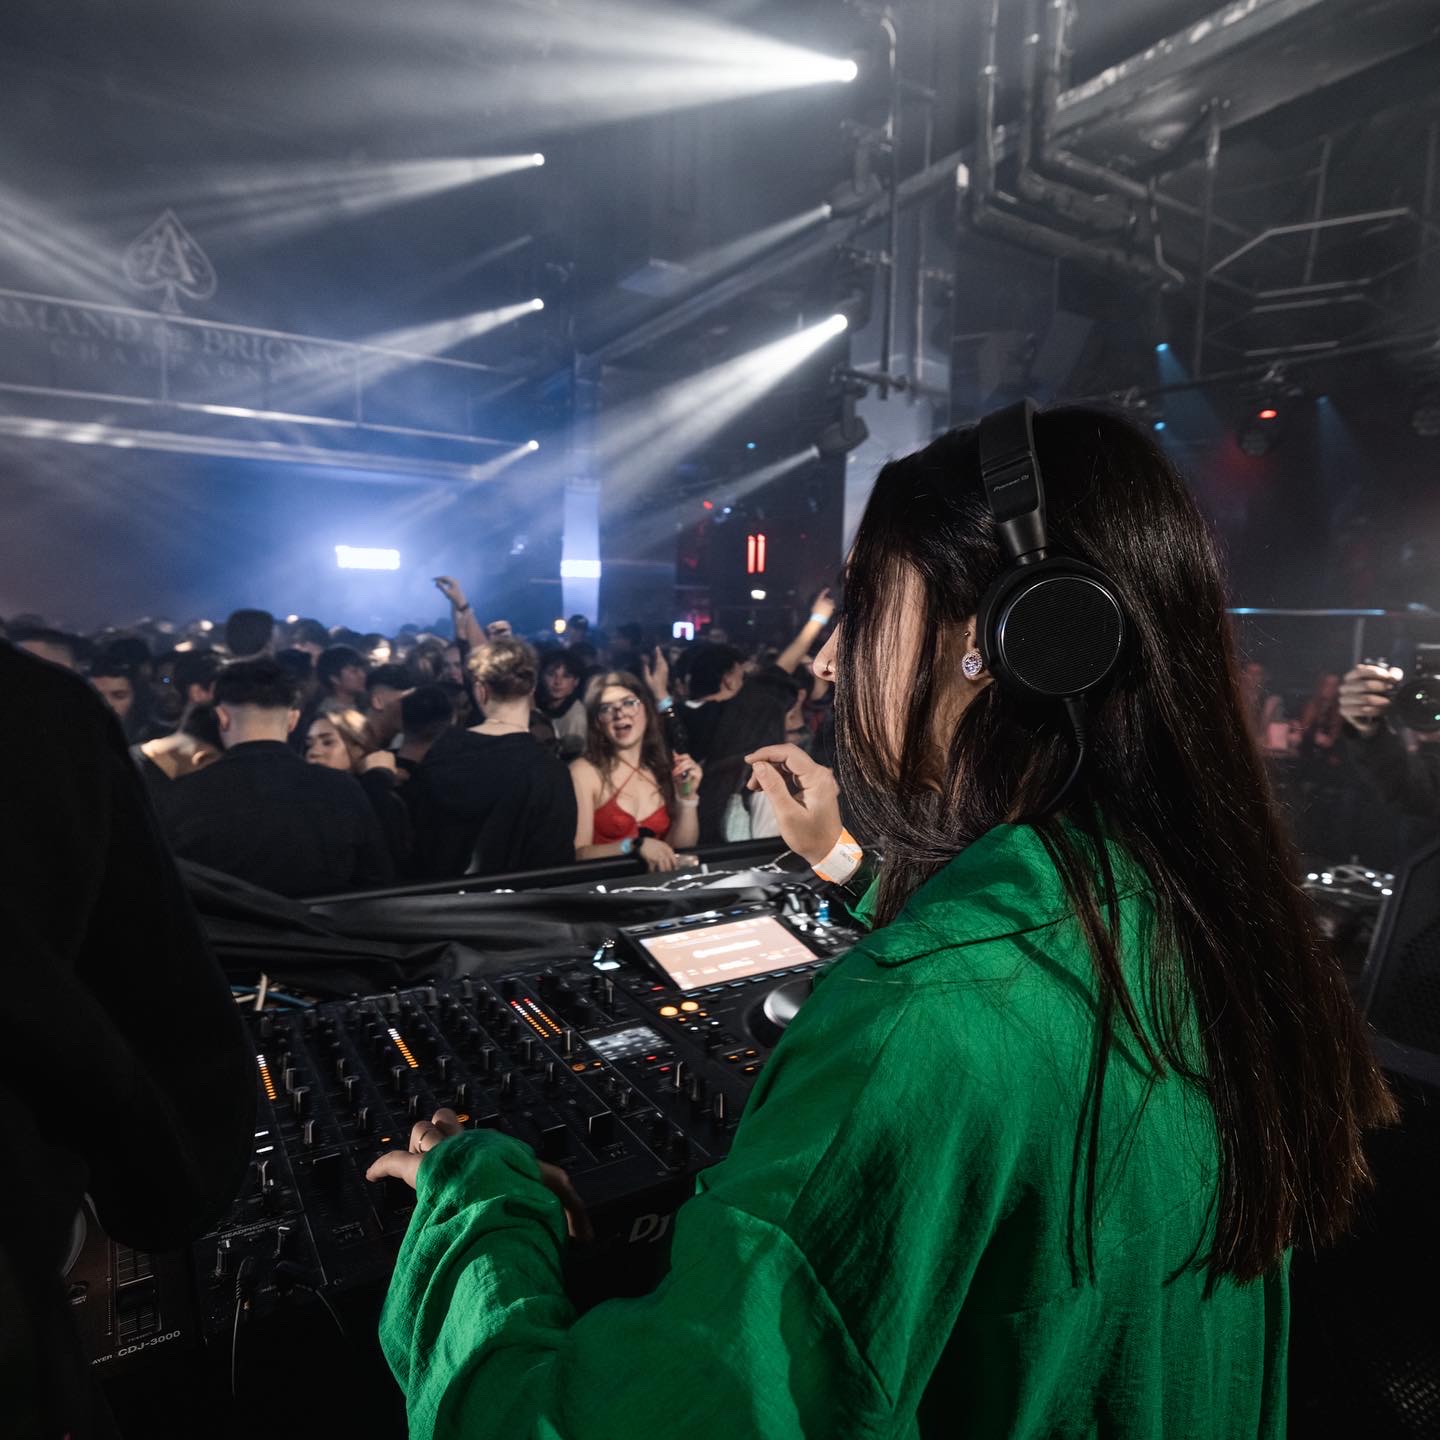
629,1067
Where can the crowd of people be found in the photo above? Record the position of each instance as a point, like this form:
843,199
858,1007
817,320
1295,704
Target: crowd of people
309,760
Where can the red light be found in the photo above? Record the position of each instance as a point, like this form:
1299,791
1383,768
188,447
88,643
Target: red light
1269,414
708,504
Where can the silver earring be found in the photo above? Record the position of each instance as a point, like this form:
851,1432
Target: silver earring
972,665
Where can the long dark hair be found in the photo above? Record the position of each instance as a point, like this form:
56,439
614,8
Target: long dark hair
1173,778
754,717
654,752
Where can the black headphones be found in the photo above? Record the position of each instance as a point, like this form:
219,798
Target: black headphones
1050,626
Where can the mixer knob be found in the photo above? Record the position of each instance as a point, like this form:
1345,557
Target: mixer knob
282,1238
392,1004
487,1060
567,1042
624,1098
267,1026
467,989
352,1090
432,997
697,1092
341,1066
463,1092
443,1065
352,1011
300,1099
593,984
529,1050
552,1074
554,1142
601,1128
507,1085
412,1107
679,1075
509,988
677,1150
362,1119
719,1109
607,993
290,1078
224,1258
307,1132
398,1076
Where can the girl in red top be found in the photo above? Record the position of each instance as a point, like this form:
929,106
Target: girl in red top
633,798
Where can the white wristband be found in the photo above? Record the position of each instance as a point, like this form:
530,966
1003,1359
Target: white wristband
840,865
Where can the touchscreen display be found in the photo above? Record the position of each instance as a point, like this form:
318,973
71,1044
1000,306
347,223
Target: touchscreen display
713,954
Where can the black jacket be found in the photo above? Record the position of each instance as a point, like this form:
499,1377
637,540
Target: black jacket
489,805
125,1071
263,814
1408,782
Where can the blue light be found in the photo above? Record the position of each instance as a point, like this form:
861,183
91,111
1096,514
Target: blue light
1162,347
1322,399
749,444
1159,424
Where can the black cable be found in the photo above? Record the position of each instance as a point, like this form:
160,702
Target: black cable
242,1285
1075,709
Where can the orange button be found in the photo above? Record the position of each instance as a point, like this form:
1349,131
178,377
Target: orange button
691,1005
668,1010
578,1066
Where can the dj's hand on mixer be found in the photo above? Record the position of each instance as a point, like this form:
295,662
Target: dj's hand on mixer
445,1125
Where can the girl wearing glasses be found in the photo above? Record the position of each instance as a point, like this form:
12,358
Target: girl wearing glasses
633,797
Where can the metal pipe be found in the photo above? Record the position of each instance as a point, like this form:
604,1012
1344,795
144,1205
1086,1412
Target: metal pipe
1095,212
917,361
892,259
1318,210
985,218
1050,159
1212,166
1427,198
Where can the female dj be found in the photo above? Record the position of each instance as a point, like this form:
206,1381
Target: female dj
632,796
1031,1159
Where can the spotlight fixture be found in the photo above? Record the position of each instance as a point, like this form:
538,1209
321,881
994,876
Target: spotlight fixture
1163,348
1260,432
537,160
537,303
1159,425
532,445
842,437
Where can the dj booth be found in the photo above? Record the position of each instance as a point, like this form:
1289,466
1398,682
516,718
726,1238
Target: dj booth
616,1022
613,1020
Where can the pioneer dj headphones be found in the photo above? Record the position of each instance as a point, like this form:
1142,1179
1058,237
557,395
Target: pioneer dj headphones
1050,627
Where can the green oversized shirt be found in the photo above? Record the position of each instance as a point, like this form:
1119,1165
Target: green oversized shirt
890,1249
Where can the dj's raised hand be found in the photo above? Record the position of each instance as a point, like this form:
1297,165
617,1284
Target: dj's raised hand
804,796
